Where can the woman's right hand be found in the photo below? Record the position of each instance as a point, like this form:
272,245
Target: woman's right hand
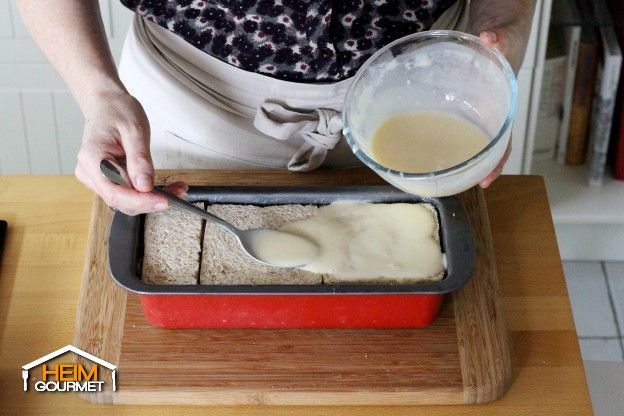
71,35
117,128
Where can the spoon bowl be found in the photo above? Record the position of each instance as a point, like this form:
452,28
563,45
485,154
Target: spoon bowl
278,248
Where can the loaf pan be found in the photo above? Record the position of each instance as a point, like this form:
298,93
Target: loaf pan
295,306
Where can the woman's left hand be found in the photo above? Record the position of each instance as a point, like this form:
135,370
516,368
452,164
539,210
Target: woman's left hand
504,25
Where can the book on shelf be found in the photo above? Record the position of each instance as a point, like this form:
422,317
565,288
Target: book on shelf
616,8
566,19
607,79
584,82
551,98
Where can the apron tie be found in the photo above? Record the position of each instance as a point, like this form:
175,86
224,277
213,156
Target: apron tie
321,129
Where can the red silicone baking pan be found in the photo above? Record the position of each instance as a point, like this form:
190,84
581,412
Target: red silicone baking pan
411,305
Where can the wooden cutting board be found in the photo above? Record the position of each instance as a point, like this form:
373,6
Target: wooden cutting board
462,358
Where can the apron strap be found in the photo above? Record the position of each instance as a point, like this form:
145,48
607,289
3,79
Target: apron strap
321,130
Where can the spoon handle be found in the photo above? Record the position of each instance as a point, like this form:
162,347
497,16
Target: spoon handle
183,205
112,172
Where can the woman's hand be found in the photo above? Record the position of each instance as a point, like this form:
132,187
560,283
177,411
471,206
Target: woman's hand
504,25
117,128
71,34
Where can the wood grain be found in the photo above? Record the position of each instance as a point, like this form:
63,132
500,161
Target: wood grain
288,366
483,342
462,358
270,177
102,304
42,268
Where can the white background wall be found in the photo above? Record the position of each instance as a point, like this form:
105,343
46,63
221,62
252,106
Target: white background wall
41,125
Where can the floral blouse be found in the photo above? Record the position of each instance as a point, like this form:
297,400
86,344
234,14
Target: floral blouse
294,40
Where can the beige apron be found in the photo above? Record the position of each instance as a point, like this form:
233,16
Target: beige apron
205,113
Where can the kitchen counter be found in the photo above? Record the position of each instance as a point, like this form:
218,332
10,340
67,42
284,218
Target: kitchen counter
41,272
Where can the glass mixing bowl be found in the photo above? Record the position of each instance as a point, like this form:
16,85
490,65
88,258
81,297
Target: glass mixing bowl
439,70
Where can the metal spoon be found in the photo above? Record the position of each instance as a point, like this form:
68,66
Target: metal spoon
253,242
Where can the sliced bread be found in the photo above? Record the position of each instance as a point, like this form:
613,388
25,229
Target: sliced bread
224,262
172,243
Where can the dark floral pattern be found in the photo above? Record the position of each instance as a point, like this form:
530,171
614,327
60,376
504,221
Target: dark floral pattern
294,40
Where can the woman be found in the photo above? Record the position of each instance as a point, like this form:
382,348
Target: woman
235,84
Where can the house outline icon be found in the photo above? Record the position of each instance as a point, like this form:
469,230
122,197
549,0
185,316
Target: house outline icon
26,368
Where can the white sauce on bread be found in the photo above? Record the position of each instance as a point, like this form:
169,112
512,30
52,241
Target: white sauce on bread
362,241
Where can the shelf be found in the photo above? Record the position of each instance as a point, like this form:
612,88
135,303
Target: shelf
573,201
574,15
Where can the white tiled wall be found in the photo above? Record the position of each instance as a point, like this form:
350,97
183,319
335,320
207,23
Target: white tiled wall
40,124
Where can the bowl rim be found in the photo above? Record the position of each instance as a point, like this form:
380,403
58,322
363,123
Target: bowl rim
441,36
